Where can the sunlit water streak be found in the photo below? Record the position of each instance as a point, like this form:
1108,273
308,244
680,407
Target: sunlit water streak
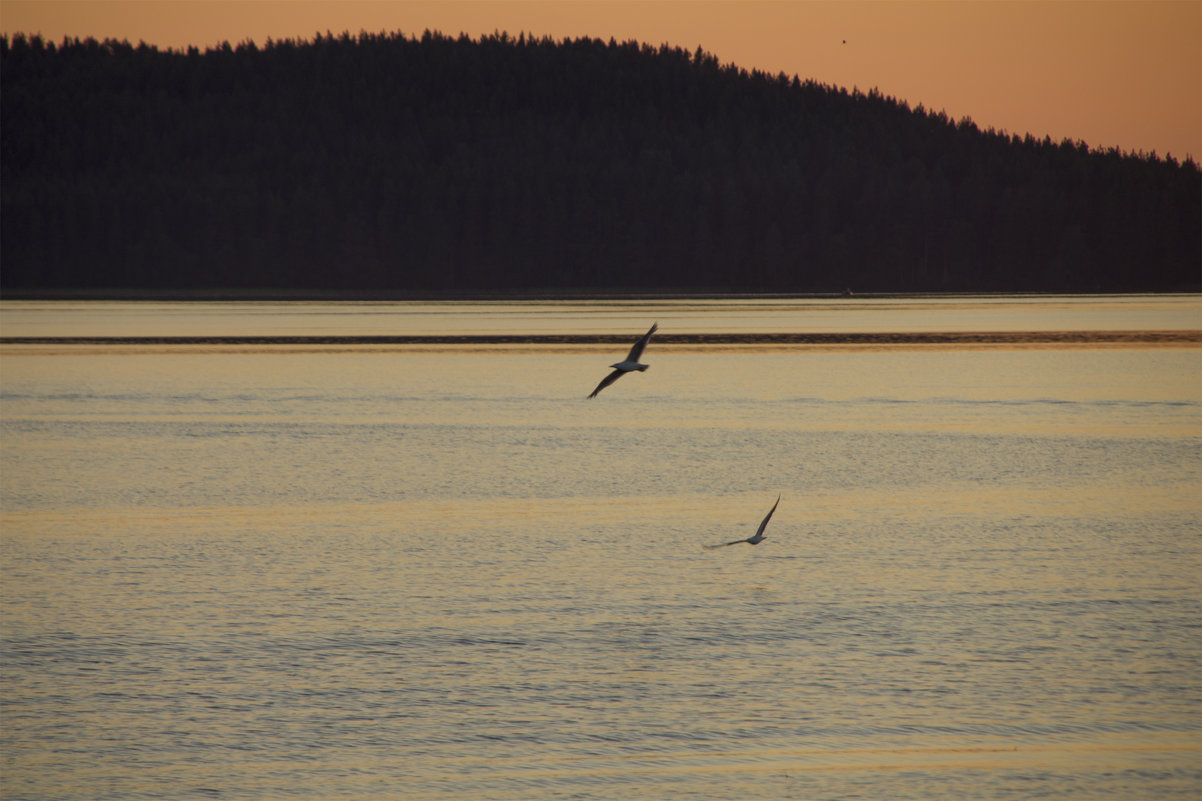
680,315
442,573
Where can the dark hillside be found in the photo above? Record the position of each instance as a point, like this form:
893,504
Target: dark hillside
382,163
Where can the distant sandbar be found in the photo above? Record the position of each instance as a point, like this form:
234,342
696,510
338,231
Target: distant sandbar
951,338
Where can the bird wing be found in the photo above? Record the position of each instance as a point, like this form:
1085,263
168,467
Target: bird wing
605,382
637,350
722,545
767,517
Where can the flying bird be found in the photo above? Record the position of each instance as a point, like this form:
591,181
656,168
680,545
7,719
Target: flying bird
630,363
759,532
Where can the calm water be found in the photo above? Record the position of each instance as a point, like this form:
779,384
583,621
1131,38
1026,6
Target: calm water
772,315
441,573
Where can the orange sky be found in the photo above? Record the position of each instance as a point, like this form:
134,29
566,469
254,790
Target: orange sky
1113,73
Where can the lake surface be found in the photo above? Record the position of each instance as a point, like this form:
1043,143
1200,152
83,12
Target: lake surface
535,318
439,572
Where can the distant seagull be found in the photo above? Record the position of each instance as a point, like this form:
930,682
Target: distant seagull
631,362
759,532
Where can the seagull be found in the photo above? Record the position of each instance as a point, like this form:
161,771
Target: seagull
630,363
759,532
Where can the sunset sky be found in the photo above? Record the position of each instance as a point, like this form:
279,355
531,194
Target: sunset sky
1124,74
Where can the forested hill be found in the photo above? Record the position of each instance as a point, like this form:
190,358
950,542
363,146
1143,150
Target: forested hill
395,164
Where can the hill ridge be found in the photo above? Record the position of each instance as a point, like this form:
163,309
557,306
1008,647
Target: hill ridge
393,163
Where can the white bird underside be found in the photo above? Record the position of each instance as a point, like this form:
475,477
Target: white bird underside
759,532
629,364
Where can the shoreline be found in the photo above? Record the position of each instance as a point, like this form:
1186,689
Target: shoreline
304,296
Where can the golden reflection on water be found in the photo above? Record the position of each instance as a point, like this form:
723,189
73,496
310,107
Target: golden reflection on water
1096,754
443,573
708,315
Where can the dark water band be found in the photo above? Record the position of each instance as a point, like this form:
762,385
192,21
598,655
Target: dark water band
1162,337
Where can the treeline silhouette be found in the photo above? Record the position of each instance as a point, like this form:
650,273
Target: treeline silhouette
384,163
